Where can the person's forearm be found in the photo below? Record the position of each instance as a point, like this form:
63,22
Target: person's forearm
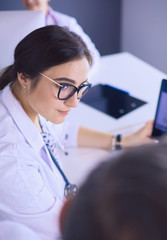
92,138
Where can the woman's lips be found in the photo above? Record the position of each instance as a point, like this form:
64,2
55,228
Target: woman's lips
64,113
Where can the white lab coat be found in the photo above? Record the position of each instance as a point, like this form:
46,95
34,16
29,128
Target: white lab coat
10,230
31,187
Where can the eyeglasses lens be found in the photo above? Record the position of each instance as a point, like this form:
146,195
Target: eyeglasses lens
68,91
83,91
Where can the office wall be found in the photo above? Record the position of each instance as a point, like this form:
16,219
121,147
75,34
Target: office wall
143,25
144,30
99,19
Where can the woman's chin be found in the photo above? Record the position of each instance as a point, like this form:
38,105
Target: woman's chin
58,120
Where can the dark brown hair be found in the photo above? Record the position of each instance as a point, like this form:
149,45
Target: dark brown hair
41,49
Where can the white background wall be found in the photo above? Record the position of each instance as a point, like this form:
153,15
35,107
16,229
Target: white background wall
144,30
143,25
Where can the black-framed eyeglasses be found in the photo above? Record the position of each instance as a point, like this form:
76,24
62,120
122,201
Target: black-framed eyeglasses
67,90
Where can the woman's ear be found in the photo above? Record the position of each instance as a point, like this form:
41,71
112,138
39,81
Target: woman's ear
22,79
63,213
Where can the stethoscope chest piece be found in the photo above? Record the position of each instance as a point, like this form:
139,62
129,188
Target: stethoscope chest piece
70,190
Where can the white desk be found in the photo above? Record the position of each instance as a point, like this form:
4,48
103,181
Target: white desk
128,73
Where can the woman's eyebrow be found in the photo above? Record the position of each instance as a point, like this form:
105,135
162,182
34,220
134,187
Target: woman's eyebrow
65,79
68,80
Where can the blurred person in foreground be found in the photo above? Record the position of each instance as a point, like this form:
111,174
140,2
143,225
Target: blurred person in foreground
125,198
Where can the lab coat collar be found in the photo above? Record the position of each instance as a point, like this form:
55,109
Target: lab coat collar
23,122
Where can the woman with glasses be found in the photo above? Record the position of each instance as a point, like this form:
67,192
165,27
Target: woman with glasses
47,79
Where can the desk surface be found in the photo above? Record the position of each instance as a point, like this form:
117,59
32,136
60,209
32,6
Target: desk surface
128,73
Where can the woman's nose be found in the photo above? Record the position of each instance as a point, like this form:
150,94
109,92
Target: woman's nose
72,101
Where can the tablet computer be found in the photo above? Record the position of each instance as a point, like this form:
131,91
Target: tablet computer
160,121
112,101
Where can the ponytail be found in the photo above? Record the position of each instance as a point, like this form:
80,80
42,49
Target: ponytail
7,76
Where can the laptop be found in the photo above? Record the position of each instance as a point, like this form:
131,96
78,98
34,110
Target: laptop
14,26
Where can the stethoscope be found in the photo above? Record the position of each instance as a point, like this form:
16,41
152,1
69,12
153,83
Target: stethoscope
70,190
